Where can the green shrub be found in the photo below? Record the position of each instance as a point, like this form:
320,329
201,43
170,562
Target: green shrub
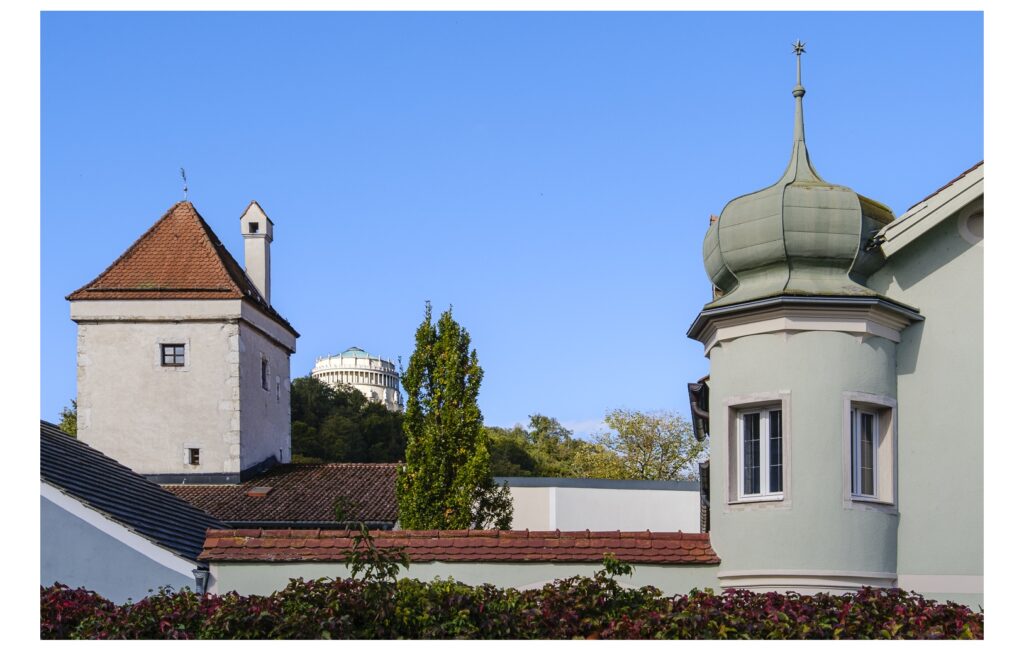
595,607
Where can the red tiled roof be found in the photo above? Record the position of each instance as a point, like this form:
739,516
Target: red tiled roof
979,164
256,545
178,258
302,494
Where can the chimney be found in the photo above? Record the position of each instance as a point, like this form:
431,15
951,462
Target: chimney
258,232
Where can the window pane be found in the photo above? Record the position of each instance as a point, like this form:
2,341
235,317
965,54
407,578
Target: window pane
867,454
172,355
854,478
752,453
775,451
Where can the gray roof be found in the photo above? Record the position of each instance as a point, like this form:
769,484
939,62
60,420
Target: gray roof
105,485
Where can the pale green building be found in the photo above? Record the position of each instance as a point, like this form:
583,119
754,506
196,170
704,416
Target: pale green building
844,400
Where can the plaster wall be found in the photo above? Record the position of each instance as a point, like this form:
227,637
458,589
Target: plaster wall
145,415
568,508
810,533
265,412
939,375
265,578
75,553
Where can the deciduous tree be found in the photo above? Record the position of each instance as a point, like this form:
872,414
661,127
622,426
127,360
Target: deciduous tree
653,445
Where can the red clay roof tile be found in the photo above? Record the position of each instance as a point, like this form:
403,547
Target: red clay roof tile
463,546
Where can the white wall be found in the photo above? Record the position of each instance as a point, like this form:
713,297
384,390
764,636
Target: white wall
581,508
266,413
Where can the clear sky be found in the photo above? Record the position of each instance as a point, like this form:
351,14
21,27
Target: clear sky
549,175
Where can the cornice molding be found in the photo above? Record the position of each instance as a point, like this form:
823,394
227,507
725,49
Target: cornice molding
862,317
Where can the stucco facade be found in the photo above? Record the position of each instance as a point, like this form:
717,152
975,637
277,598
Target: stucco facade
941,399
264,578
86,550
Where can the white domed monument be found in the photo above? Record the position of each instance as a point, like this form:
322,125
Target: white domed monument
373,376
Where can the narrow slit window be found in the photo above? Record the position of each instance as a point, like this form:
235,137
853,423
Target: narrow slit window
265,373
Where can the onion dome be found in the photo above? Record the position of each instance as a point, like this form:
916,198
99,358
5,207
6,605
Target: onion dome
802,236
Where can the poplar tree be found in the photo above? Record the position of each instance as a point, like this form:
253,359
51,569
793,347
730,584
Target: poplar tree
446,481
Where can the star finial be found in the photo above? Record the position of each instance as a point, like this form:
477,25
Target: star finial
799,47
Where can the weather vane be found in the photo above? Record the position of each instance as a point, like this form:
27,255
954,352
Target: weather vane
184,182
798,48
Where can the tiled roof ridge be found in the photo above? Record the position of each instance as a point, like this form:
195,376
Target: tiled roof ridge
965,173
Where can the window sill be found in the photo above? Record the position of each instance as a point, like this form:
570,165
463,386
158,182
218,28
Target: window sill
852,502
757,498
775,501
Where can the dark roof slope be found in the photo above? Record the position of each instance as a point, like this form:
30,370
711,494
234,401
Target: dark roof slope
126,497
178,258
643,547
302,494
966,172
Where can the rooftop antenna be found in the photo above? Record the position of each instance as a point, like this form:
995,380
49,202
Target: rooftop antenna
184,182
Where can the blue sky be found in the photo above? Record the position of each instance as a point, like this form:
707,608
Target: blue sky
548,175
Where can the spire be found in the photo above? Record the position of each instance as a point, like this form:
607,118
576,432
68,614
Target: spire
798,92
800,167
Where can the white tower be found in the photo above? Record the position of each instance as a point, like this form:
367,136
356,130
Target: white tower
374,377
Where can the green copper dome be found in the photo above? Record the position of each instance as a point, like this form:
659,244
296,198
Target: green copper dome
801,236
355,352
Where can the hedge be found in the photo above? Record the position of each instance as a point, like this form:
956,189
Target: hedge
581,607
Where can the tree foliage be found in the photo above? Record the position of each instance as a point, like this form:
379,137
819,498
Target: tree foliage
446,482
69,419
653,445
656,445
341,425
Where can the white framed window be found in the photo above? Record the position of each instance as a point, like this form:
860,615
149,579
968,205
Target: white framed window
869,452
760,457
759,451
864,452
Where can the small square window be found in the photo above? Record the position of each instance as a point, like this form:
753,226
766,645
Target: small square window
254,227
193,455
172,354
